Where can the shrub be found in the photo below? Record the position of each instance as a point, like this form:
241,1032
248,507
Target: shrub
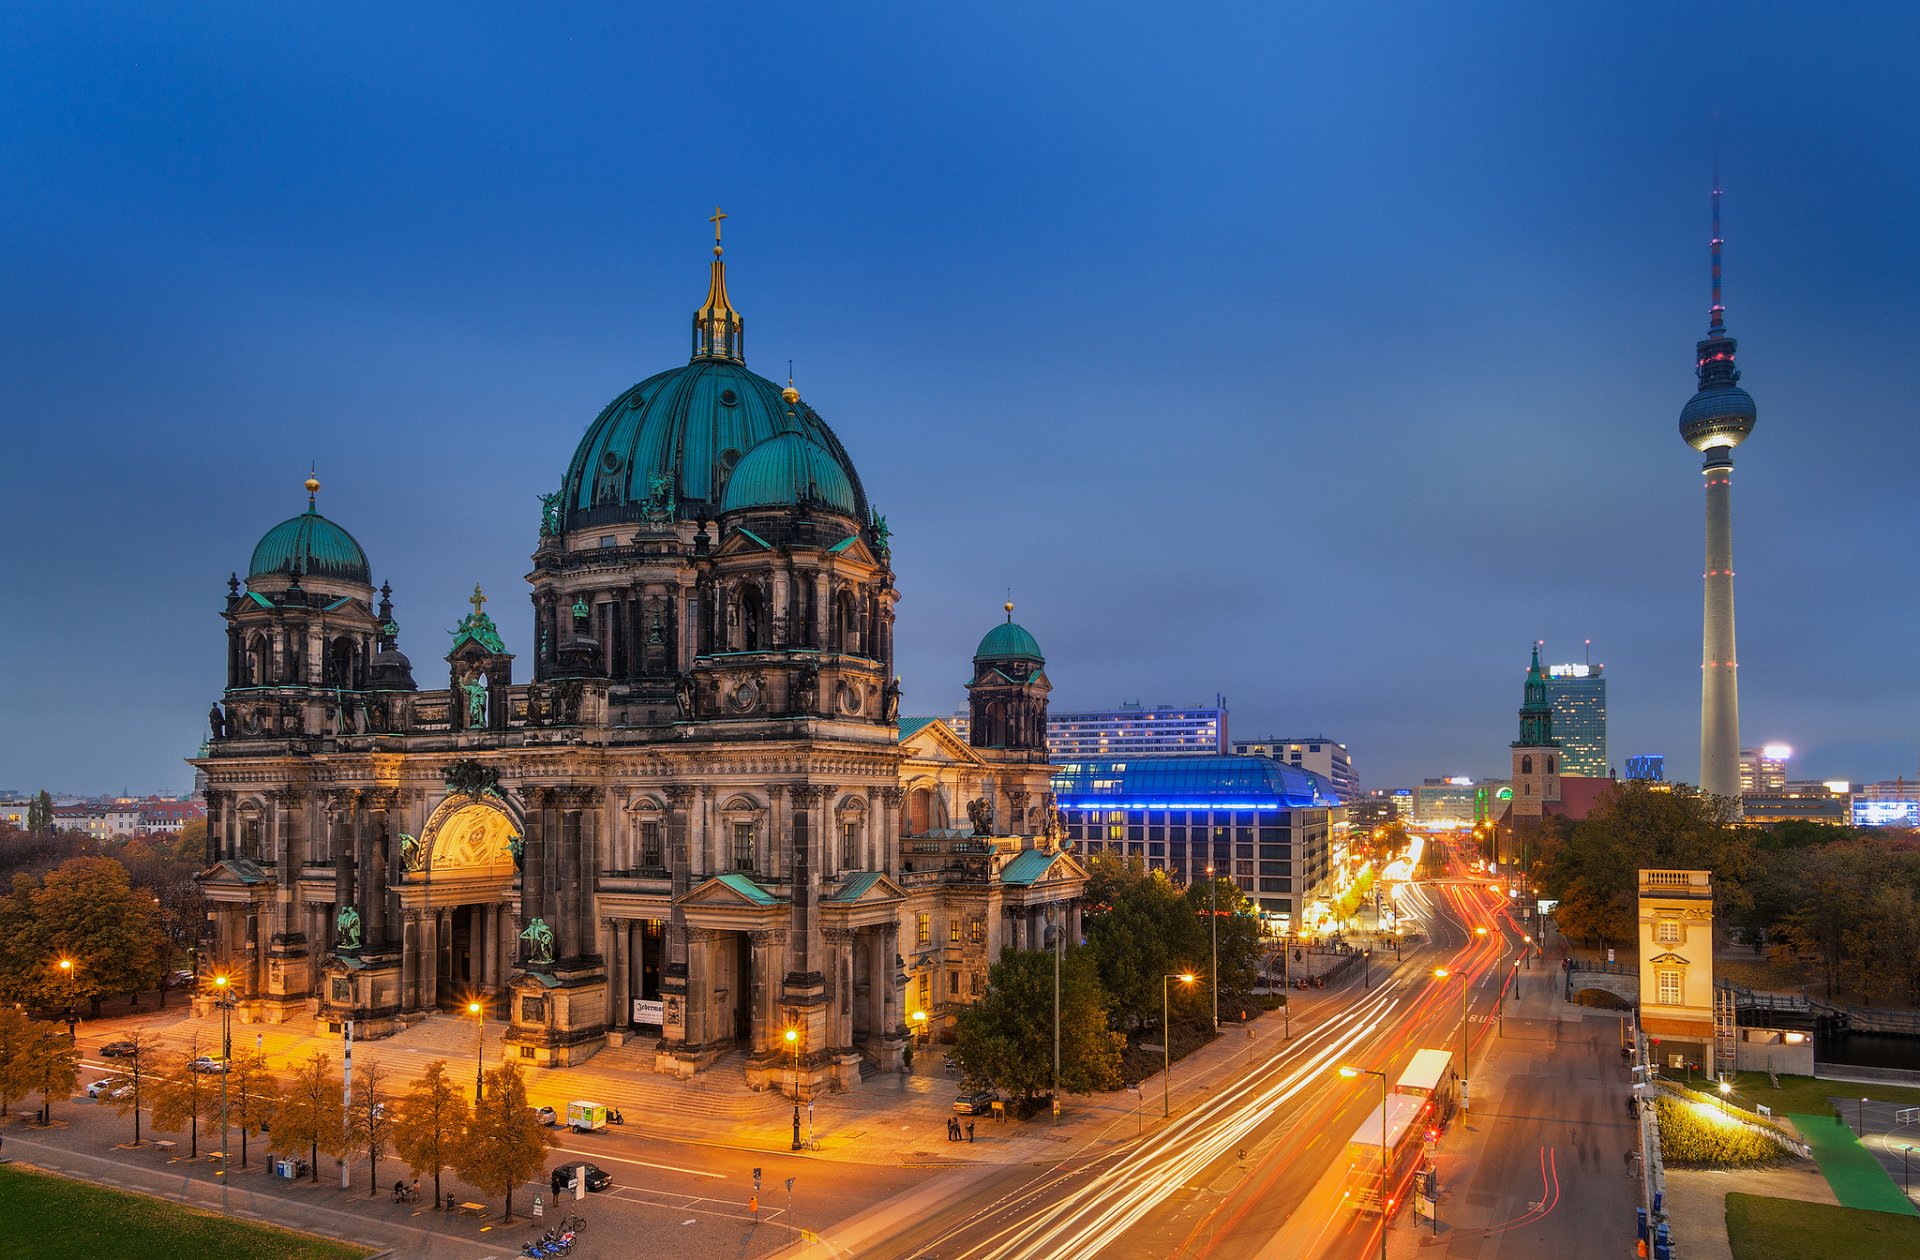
1691,1138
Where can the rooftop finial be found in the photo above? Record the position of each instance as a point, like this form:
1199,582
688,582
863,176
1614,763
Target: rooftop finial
313,488
718,332
1009,607
477,599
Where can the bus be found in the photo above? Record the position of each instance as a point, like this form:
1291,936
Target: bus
1430,1077
1397,1119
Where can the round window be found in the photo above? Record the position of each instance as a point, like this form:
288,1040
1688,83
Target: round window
610,461
728,398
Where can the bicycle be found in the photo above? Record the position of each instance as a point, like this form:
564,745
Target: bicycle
572,1224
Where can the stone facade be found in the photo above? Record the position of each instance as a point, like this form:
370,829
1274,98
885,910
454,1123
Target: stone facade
696,822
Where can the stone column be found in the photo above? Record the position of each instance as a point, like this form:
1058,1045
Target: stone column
766,966
700,982
533,857
618,1008
567,930
885,853
839,945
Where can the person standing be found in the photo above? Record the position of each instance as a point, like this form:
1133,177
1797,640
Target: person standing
969,1130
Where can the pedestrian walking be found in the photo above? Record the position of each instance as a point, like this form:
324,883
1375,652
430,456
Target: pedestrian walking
969,1131
953,1129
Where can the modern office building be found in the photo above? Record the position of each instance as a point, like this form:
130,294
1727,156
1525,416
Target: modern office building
1133,730
1264,823
1578,696
1716,419
1796,802
1888,803
1763,769
1325,757
1651,767
1452,802
1374,809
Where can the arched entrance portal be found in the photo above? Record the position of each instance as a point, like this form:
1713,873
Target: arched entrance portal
458,901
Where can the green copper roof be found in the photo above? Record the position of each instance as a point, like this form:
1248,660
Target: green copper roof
692,426
1008,641
1028,867
310,545
909,727
745,886
787,470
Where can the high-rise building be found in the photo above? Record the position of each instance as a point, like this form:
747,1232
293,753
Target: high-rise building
1763,769
1578,694
1135,731
1652,767
1718,418
1325,757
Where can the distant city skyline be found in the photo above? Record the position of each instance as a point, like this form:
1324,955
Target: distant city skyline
1358,365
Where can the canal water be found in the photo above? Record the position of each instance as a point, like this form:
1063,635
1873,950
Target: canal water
1862,1049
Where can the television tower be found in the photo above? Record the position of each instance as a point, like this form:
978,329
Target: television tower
1718,418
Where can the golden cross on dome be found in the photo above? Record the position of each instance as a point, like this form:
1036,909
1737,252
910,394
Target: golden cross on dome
718,214
477,599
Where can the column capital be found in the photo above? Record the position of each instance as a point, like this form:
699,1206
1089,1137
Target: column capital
838,935
805,794
679,794
763,937
893,795
698,935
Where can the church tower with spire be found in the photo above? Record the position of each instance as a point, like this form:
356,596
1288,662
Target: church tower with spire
1718,418
1536,754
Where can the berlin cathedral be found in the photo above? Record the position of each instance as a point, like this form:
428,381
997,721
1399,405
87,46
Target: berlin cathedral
700,822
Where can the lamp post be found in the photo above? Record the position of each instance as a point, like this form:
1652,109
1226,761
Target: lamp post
793,1039
1441,973
223,996
65,966
1529,952
1906,1174
1726,1087
1166,1039
1059,938
1213,922
1350,1073
479,1012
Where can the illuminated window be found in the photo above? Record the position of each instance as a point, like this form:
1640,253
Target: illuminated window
923,929
1667,932
923,988
977,930
953,931
1669,988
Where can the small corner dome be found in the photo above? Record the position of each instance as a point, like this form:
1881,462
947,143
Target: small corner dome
1009,642
789,470
310,545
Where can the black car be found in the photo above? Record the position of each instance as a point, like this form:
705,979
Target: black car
117,1050
565,1175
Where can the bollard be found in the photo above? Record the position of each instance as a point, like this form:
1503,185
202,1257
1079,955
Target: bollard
1640,1225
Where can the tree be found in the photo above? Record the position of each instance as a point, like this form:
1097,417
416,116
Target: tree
88,910
371,1125
1005,1040
182,1096
430,1123
506,1144
310,1112
40,814
253,1094
17,1039
55,1067
1592,867
140,1075
1240,947
1139,929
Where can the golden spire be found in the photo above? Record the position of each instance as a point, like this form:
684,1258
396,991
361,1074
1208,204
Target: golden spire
717,327
313,489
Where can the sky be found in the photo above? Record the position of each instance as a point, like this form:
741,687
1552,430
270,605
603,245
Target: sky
1323,357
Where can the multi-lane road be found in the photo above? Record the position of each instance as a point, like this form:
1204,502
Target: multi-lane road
1257,1166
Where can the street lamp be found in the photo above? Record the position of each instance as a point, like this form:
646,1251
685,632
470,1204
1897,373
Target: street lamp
1350,1073
1059,943
1529,952
1441,973
1213,922
223,997
1166,1039
66,982
479,1013
793,1039
1906,1174
1726,1087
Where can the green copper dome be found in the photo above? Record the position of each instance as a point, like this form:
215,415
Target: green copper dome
310,545
1009,642
786,470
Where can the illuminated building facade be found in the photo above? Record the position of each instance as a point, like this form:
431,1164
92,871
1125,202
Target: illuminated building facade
688,826
1265,823
1764,769
1652,767
1134,731
1325,757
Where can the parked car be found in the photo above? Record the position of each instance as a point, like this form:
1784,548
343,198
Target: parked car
117,1050
110,1087
976,1103
566,1177
179,979
206,1063
547,1115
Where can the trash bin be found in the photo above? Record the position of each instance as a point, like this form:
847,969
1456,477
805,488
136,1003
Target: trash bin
1640,1226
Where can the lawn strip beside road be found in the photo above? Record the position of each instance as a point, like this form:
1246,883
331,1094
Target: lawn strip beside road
54,1218
1789,1229
1808,1094
1857,1178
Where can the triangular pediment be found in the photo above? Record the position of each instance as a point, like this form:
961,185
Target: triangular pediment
742,542
1669,959
734,890
860,888
854,548
936,741
235,872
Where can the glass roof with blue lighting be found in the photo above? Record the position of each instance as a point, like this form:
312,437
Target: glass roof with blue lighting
1190,783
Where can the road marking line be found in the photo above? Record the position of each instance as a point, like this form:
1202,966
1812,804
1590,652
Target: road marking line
621,1159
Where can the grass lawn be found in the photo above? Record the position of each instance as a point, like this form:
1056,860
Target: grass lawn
1786,1229
1808,1095
57,1218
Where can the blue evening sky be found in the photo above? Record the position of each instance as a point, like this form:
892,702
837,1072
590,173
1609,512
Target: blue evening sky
1322,356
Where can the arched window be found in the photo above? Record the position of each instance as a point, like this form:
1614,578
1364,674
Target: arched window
257,658
846,624
340,662
1526,765
1550,763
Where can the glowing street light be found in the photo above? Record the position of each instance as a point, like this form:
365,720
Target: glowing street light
1441,973
793,1039
479,1012
223,998
1166,1039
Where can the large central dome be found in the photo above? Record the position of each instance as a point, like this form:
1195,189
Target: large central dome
676,438
691,424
